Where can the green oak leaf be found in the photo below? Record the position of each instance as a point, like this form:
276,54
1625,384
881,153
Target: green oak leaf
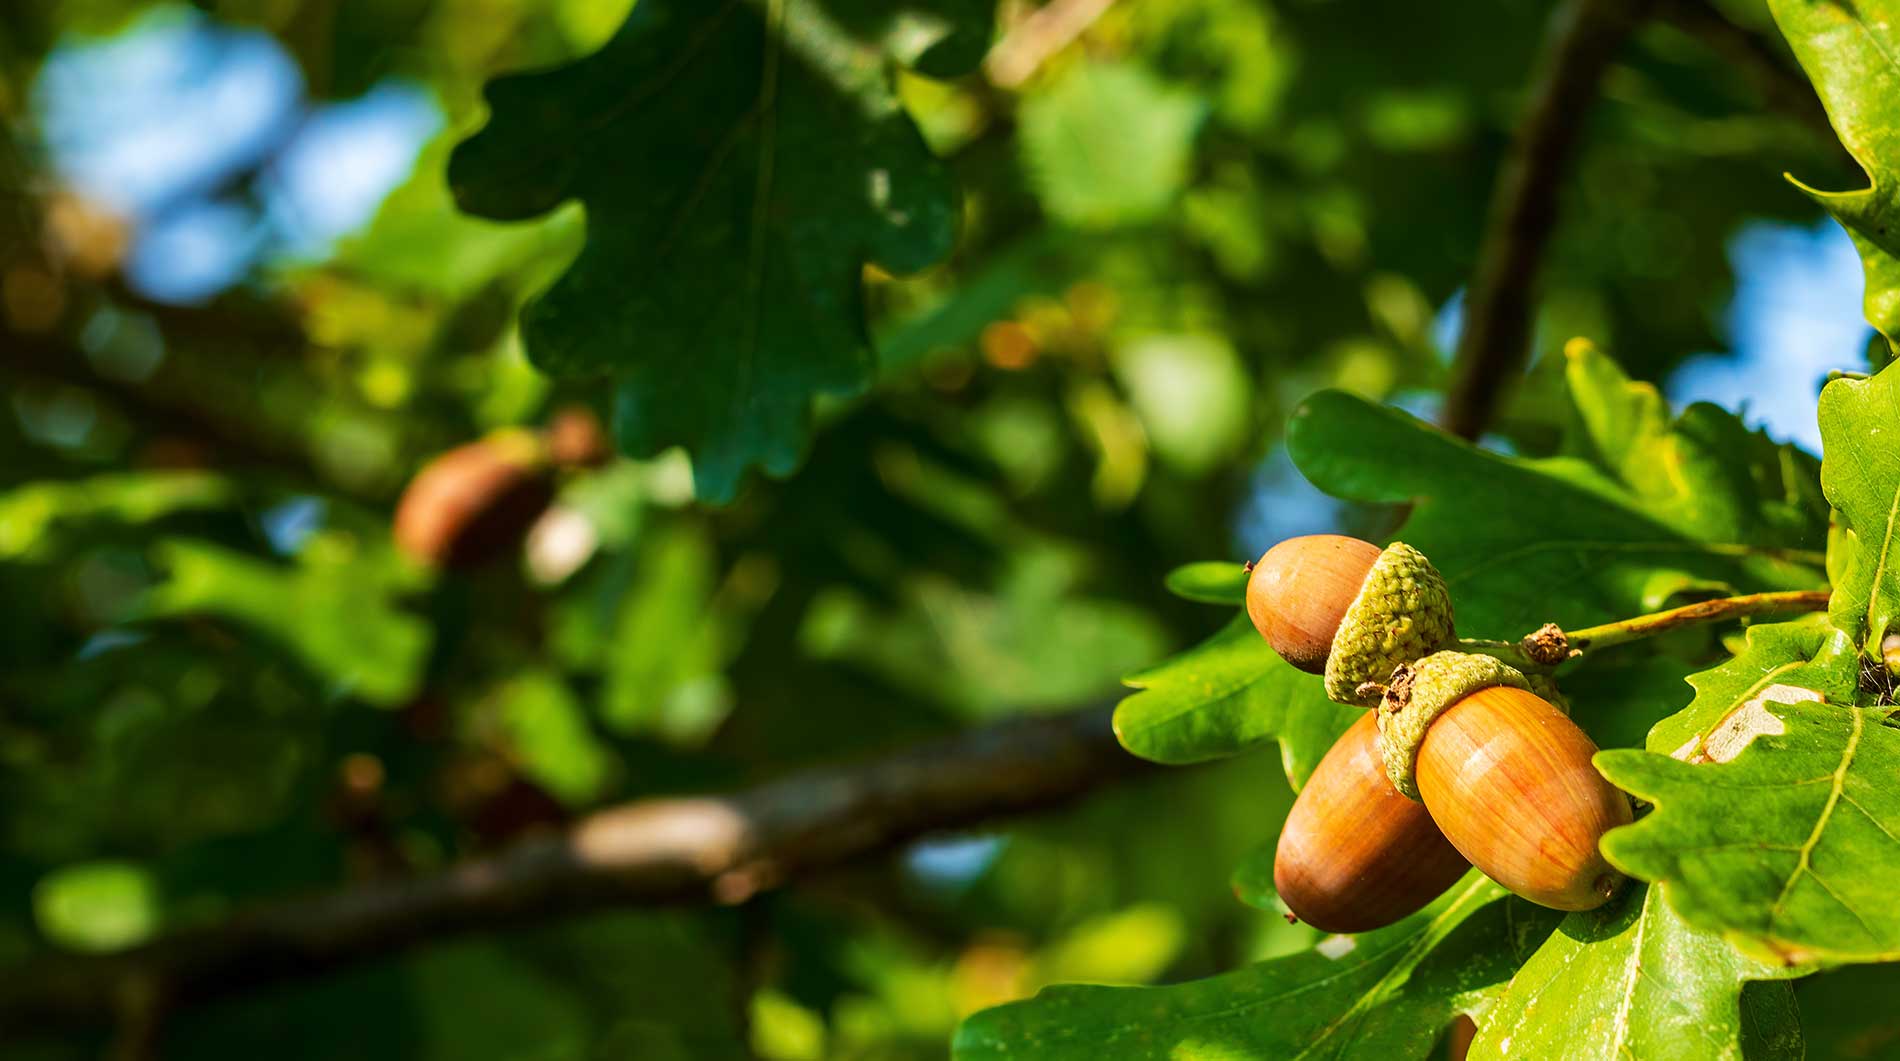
740,162
1210,582
1386,994
1225,695
1791,847
1778,662
1631,980
1861,477
1851,51
1574,539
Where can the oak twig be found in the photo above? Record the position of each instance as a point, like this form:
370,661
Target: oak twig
1551,645
1708,611
719,849
1501,302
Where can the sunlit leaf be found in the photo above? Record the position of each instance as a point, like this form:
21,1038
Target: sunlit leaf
1631,980
548,732
1779,663
97,905
1788,848
1861,476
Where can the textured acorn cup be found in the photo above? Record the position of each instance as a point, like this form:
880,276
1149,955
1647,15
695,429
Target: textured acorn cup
473,503
1508,779
1300,590
1355,855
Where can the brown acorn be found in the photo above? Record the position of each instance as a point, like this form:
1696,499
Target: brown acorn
1508,779
1355,855
575,438
1300,590
475,502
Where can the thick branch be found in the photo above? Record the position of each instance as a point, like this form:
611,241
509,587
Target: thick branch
1500,305
680,851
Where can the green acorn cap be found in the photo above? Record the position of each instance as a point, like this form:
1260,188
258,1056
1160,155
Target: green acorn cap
1402,612
1420,692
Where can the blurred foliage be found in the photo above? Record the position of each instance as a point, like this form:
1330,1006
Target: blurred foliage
221,683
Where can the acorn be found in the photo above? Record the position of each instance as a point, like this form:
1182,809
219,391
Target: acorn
1505,775
575,438
1354,854
475,502
1342,607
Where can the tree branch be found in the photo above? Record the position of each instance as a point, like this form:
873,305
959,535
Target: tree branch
674,851
1500,306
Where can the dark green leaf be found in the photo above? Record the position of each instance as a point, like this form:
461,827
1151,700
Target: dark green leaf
1524,542
740,162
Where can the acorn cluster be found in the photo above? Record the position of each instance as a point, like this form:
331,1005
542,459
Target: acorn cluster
1461,760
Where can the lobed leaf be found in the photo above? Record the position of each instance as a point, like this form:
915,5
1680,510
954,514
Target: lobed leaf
1791,846
1779,663
740,162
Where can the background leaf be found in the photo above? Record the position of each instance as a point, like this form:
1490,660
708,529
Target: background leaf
1210,582
1109,144
740,162
332,611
